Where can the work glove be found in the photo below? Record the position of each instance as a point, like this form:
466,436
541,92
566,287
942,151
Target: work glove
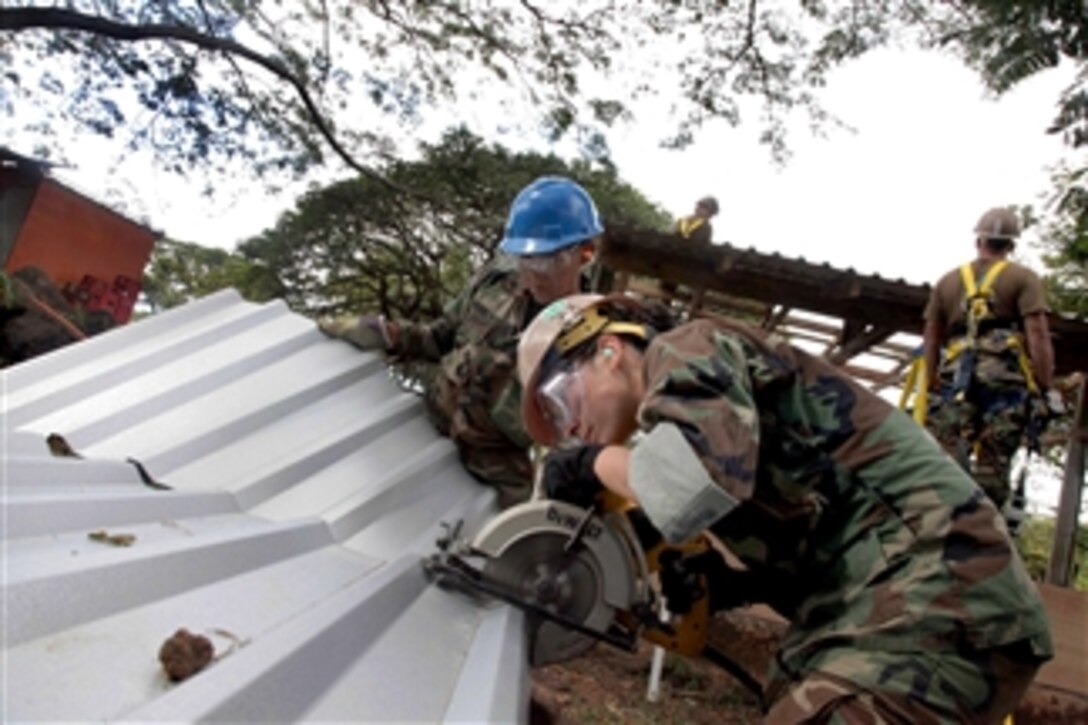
1043,407
681,586
569,476
1055,404
368,332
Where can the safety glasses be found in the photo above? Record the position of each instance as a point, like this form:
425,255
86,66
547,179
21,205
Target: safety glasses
544,263
561,397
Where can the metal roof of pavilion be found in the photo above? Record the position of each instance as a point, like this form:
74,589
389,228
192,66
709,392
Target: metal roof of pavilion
305,488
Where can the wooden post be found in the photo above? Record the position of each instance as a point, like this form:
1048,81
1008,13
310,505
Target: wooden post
622,279
1060,569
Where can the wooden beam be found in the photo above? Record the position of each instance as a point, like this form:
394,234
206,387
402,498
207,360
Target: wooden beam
772,321
860,341
801,285
861,373
1060,568
895,376
894,350
767,278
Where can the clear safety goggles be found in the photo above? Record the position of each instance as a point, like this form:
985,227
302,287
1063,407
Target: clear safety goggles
561,397
544,263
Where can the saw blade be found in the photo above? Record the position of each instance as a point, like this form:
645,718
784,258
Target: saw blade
538,569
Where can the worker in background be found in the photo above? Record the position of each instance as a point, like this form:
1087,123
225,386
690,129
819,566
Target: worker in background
993,384
907,600
474,397
695,228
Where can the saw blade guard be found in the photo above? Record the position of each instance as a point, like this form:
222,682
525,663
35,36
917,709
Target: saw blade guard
526,549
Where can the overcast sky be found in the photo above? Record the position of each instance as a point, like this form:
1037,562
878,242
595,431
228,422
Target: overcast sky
901,195
898,196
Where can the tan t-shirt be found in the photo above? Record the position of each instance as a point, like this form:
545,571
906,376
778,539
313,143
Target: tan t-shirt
1018,292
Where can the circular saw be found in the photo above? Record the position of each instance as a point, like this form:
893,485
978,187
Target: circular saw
582,576
578,575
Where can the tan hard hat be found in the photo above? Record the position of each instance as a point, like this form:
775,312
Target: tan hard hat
998,223
561,327
537,340
710,203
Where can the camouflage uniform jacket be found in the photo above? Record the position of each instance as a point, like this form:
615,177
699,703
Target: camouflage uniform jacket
867,535
475,344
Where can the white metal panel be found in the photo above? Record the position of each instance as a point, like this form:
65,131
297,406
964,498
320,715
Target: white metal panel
306,486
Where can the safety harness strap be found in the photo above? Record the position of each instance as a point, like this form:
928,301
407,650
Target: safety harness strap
690,224
978,299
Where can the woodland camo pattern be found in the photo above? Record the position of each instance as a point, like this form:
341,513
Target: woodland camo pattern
990,416
907,599
473,395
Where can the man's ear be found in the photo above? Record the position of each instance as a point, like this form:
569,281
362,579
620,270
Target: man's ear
608,348
587,253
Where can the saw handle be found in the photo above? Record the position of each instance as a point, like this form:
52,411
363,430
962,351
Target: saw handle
682,583
686,632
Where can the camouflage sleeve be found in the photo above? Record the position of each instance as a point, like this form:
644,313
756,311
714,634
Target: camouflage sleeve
431,341
698,460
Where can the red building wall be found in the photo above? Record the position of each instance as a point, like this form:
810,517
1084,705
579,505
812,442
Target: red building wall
69,236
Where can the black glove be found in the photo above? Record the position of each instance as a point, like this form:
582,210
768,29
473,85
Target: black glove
680,581
568,475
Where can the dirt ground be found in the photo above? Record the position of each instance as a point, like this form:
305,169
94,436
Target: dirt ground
607,685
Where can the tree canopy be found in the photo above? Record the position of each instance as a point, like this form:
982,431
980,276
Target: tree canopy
1064,243
278,84
356,245
179,272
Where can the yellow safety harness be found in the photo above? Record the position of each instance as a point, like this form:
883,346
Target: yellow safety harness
978,302
979,307
689,225
917,383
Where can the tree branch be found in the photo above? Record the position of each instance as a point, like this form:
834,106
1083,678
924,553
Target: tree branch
18,19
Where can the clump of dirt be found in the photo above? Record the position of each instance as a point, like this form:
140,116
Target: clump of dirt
185,654
607,685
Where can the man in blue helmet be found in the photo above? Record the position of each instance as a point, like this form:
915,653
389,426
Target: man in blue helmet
475,397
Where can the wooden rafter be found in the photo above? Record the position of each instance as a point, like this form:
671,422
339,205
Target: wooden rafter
769,279
856,339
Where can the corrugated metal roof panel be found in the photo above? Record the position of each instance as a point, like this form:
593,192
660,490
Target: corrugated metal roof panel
306,487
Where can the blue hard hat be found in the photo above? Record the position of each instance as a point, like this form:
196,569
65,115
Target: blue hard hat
548,215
